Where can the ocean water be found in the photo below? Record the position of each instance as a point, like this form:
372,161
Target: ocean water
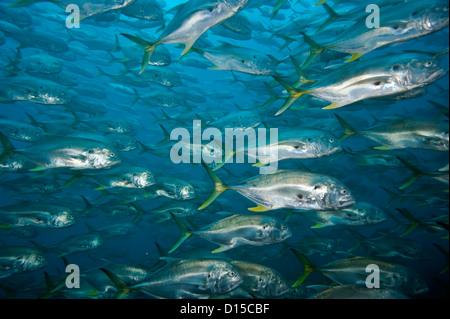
97,68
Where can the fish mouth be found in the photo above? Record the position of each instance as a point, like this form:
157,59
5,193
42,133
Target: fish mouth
347,203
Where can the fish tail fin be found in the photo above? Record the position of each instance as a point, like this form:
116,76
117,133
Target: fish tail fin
36,123
333,16
359,240
445,253
40,247
219,187
294,95
149,48
302,79
117,46
162,261
316,50
166,135
416,173
144,148
185,232
348,129
136,97
394,196
140,213
8,148
309,268
121,285
413,222
76,120
287,41
273,97
76,176
87,205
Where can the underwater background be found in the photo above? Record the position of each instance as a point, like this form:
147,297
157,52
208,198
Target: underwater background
64,81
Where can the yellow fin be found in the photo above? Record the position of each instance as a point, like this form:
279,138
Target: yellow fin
317,226
382,148
260,164
220,249
355,56
320,2
259,208
332,106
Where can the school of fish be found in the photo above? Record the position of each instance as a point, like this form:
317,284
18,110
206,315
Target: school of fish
91,94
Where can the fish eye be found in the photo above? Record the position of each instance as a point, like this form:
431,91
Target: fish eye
300,196
283,227
395,27
309,139
296,147
344,191
91,151
232,274
331,140
377,83
396,67
428,64
260,279
316,187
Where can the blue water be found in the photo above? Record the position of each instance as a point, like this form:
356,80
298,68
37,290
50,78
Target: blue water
223,94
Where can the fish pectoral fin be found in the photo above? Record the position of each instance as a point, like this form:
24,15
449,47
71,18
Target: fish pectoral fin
355,56
221,249
332,106
37,168
319,225
259,164
259,208
382,148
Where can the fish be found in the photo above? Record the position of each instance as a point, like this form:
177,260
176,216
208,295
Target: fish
189,278
303,143
377,77
287,189
390,246
20,131
40,215
402,22
123,176
357,292
17,260
352,271
227,57
40,63
173,187
86,10
261,281
237,230
192,19
76,244
403,134
36,91
68,153
362,213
